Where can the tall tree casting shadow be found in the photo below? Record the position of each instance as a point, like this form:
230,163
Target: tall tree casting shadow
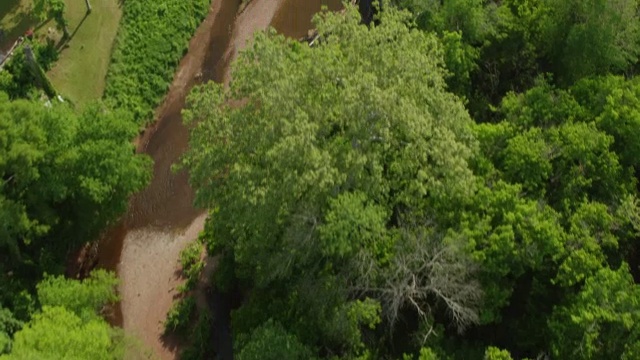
64,41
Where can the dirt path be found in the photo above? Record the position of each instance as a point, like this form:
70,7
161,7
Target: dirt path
161,221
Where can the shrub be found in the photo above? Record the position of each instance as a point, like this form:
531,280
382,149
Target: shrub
192,265
152,38
180,315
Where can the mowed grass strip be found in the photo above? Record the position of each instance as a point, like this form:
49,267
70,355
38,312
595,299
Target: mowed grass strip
84,60
153,37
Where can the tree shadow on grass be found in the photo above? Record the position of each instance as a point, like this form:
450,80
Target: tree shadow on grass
63,43
86,15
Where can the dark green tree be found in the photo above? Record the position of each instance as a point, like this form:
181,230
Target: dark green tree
55,9
68,326
591,37
601,321
64,177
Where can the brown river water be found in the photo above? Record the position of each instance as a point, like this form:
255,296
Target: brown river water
143,248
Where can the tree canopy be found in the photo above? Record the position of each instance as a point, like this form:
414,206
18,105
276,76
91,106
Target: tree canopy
67,326
331,186
453,180
64,177
365,214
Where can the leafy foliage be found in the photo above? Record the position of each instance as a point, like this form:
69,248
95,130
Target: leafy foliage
592,37
69,327
84,298
46,9
57,333
8,326
16,79
152,38
601,321
64,176
180,315
335,178
191,264
272,342
200,344
345,180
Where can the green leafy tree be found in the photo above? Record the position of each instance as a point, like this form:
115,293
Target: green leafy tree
601,321
57,333
84,298
575,201
46,9
65,175
614,102
18,79
494,353
8,326
68,325
271,341
331,185
491,47
63,178
592,37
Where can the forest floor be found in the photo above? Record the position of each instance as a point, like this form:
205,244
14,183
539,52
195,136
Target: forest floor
84,59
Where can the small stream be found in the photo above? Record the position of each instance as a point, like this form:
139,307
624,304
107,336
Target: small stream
166,205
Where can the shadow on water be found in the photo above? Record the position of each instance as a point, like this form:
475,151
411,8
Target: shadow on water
294,18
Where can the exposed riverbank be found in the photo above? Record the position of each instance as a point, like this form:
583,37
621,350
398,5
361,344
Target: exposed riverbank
144,248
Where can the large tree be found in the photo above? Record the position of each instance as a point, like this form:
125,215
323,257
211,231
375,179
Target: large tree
332,170
69,326
46,9
591,37
63,177
350,192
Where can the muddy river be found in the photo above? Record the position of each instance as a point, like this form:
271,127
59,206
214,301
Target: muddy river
161,220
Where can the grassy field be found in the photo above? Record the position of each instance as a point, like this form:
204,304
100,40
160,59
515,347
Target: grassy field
80,72
15,19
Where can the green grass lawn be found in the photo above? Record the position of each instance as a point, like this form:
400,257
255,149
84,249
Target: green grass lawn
15,19
80,72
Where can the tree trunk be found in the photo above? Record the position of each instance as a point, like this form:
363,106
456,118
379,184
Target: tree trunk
88,6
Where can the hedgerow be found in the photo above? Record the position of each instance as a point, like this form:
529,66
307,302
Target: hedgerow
152,38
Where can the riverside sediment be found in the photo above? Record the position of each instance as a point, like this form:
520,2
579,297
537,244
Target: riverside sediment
145,246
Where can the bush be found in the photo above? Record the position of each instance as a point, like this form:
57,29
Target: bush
152,38
192,265
180,315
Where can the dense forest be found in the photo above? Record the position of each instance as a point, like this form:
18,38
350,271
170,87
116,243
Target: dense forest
450,179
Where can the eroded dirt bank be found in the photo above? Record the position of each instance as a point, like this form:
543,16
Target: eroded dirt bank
161,220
